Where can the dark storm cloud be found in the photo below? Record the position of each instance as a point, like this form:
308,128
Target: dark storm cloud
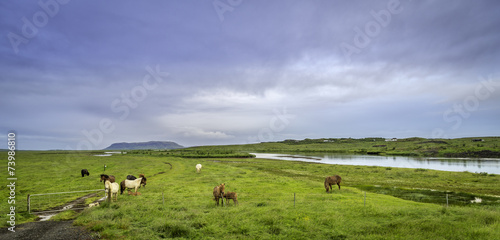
281,68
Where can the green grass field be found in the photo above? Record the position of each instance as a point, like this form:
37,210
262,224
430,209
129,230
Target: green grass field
277,199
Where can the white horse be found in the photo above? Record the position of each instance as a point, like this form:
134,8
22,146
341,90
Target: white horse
111,189
135,184
198,168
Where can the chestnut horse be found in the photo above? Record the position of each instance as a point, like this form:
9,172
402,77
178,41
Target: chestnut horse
231,195
332,180
219,194
105,177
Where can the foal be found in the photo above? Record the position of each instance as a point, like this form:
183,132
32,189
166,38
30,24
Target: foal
231,195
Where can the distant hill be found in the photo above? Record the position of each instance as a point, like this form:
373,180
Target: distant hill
144,145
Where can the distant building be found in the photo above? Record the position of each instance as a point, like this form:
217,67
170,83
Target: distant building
391,139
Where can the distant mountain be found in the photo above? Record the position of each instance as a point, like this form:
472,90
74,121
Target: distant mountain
144,145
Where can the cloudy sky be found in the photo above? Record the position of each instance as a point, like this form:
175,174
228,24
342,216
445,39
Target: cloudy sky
85,74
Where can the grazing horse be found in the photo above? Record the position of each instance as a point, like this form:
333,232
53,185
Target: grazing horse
105,177
332,180
198,168
111,189
132,177
85,172
219,193
231,195
129,184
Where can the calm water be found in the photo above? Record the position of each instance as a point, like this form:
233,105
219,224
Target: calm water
443,164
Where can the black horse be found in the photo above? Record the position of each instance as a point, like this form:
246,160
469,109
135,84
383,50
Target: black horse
85,172
131,177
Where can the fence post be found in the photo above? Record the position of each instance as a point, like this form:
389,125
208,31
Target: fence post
364,200
29,204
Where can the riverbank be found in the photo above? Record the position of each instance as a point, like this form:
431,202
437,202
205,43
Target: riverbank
477,147
474,165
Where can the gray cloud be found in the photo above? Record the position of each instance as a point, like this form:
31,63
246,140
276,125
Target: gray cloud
230,80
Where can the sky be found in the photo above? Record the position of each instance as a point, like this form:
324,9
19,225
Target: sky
81,75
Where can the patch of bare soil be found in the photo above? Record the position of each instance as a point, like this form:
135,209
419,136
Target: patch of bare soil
48,230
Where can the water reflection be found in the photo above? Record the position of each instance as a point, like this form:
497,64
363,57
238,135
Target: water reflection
491,166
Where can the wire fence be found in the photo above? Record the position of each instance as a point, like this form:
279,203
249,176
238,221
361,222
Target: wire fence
363,198
52,202
62,201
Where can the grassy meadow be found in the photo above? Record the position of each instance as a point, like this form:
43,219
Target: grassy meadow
277,199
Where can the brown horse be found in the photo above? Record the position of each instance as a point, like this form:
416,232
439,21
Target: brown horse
231,195
219,194
105,177
332,180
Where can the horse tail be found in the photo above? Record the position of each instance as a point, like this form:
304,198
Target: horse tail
122,187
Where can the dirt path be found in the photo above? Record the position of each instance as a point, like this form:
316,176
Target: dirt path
42,229
48,230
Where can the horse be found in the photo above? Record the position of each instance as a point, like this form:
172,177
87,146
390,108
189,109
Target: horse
332,180
198,168
129,184
85,172
111,189
231,195
218,193
132,177
105,177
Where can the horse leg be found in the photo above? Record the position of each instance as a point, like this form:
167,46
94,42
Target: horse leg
339,185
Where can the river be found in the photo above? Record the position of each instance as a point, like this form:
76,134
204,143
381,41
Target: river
477,165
